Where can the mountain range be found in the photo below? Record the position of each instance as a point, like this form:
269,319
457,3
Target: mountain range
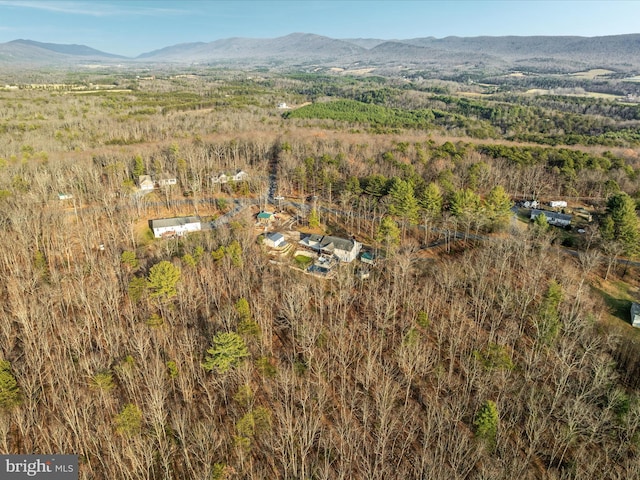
616,52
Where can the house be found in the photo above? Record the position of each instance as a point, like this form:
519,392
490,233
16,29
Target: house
166,180
145,183
553,218
345,250
265,218
220,178
558,204
240,176
174,227
635,315
274,240
65,196
282,105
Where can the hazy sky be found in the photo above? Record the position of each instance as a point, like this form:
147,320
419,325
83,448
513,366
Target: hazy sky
134,27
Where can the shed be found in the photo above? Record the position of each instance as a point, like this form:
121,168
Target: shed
635,314
274,240
265,218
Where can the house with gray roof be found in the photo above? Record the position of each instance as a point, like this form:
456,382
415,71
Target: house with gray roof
174,227
553,218
346,250
274,240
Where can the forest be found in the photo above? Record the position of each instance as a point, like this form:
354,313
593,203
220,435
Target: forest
480,344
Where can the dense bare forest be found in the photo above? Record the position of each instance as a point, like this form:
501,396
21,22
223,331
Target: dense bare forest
480,344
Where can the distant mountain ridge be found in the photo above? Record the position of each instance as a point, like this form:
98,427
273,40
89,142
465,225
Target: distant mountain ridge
81,50
617,52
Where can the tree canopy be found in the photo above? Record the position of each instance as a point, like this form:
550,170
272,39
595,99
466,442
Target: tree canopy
227,350
163,279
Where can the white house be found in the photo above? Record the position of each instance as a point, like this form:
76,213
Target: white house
174,227
557,204
240,176
220,178
553,218
166,180
635,315
274,240
344,249
145,182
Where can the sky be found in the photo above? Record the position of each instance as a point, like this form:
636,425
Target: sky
132,27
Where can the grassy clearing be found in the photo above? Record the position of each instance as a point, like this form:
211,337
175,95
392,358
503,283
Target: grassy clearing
591,74
618,296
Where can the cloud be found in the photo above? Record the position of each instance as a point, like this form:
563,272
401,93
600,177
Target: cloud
94,9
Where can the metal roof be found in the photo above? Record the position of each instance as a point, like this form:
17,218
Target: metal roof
173,222
548,214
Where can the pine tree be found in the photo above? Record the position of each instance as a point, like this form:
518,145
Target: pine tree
431,200
9,391
498,207
314,218
403,201
129,421
163,278
388,234
464,203
486,423
626,229
227,351
138,167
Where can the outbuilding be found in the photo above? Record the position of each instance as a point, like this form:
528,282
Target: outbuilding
274,240
635,315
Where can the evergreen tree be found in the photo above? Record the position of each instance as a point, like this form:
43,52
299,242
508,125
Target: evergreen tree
430,201
486,423
314,218
138,167
353,185
388,234
9,390
403,201
129,258
163,278
129,421
464,203
498,207
540,223
548,320
621,209
227,351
